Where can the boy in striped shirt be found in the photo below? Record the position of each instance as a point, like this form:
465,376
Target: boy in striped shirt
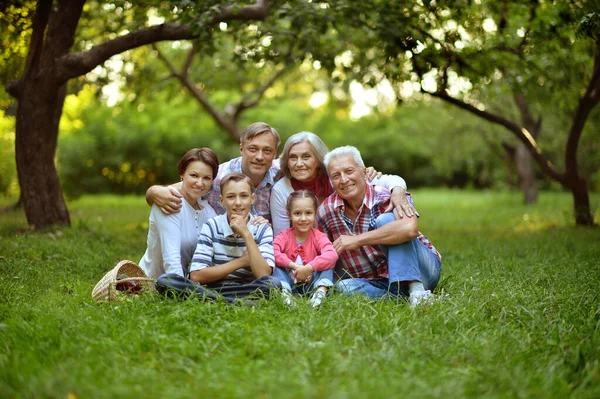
233,257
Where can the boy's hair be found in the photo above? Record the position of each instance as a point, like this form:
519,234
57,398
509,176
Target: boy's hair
299,194
205,155
259,128
341,151
235,177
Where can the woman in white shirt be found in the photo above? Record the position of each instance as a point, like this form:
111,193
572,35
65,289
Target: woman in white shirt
172,239
302,167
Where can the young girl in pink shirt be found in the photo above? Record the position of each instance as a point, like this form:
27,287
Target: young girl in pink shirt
304,256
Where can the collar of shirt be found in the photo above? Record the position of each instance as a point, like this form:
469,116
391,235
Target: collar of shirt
368,200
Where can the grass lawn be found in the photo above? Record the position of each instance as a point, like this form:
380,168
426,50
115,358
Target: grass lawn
520,318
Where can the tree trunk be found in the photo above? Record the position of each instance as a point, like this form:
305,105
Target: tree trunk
508,156
526,174
581,202
523,160
38,115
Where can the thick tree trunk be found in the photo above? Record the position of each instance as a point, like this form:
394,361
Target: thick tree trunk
581,202
38,115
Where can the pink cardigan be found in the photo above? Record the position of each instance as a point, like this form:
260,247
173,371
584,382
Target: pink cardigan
316,250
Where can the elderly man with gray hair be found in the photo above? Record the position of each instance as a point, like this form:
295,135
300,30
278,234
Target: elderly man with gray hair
380,255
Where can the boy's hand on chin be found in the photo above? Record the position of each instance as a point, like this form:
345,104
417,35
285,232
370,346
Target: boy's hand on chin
238,224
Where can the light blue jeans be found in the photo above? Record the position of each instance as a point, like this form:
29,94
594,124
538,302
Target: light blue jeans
323,278
409,261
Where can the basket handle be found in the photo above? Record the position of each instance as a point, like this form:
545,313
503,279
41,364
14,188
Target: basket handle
133,279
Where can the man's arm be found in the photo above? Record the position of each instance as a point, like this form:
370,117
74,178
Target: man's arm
167,198
397,232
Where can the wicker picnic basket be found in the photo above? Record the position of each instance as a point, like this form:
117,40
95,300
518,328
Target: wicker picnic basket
106,288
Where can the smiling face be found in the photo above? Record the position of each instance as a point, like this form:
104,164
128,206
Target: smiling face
196,181
237,198
302,162
302,214
257,156
348,178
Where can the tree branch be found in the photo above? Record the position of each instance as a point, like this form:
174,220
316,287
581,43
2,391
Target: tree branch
247,101
521,133
185,69
527,119
222,120
77,64
40,22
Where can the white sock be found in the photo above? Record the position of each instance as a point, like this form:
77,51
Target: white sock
415,286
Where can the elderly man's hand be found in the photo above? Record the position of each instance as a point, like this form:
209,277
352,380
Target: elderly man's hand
344,243
400,204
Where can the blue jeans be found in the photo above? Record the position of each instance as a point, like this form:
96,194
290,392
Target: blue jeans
323,278
175,285
409,261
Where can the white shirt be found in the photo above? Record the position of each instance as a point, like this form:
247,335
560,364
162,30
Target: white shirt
172,239
283,188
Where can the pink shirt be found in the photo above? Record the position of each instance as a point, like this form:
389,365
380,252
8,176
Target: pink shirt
316,250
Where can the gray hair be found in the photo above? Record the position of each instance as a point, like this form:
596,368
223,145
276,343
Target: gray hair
341,151
319,149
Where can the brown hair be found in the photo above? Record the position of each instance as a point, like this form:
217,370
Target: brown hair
259,128
299,194
204,154
235,177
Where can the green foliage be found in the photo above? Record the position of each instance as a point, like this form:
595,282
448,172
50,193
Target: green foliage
426,143
521,317
15,30
127,148
590,26
8,168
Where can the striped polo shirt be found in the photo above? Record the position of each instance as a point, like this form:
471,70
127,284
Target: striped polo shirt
218,244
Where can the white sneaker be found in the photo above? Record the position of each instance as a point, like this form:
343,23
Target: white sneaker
317,298
420,297
287,298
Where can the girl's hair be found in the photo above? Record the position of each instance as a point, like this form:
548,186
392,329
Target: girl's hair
205,155
318,147
299,194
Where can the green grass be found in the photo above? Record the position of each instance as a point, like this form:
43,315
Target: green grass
521,317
